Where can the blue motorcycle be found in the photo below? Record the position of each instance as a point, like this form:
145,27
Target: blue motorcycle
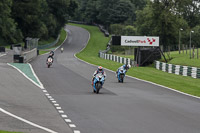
98,82
120,75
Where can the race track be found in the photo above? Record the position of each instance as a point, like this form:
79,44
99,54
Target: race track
132,107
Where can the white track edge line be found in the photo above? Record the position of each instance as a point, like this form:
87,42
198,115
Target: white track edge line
26,121
58,46
25,76
137,78
2,55
42,87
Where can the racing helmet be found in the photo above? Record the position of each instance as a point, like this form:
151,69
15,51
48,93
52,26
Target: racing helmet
100,68
128,66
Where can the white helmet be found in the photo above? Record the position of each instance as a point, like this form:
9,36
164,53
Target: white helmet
129,66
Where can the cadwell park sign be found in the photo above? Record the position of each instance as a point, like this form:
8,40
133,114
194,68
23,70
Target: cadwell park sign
139,41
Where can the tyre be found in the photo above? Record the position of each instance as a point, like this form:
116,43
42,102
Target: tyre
98,87
122,78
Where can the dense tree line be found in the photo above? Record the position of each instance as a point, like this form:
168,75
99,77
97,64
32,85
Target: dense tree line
33,18
163,18
45,18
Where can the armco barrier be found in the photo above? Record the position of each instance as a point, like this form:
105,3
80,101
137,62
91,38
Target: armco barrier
117,58
29,55
178,69
50,44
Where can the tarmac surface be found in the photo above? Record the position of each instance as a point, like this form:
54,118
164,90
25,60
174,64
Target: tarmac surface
131,107
23,99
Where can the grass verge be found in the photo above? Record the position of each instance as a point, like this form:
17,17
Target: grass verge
98,42
63,35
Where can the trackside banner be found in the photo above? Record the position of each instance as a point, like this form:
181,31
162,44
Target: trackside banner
139,41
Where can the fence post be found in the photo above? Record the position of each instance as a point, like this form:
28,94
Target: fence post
193,52
186,49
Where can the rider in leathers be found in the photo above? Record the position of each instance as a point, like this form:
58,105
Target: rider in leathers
99,70
125,67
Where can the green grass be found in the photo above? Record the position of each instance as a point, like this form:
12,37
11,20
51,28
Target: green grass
98,42
63,35
43,52
44,42
184,59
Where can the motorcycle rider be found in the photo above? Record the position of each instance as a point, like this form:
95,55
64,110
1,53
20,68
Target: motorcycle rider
51,54
125,67
99,70
61,49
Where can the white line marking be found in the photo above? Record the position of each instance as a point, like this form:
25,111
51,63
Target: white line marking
143,80
25,75
53,101
56,104
61,111
26,121
44,90
47,94
76,131
63,41
58,46
49,97
68,120
42,87
72,125
64,116
58,107
2,55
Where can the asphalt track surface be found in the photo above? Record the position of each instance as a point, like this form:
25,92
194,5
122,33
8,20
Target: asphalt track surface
130,107
23,99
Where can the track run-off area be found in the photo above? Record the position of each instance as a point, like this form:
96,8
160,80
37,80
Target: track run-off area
63,101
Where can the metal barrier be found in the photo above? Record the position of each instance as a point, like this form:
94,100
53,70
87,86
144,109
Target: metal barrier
50,44
29,55
117,59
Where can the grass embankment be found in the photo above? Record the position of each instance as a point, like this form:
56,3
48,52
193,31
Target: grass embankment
98,42
63,35
184,59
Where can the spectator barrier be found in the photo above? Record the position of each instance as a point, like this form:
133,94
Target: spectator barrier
117,58
194,72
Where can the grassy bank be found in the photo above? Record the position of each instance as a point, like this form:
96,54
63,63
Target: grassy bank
184,59
98,42
63,35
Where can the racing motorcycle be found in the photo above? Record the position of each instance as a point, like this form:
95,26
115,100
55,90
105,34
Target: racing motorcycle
98,82
121,75
49,62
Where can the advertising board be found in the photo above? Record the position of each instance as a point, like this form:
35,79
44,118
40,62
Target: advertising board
139,41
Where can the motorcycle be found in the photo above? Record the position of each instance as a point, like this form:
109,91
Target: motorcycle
49,62
121,75
62,49
98,82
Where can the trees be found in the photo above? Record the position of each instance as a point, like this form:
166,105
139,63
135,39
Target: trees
8,27
28,15
159,19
